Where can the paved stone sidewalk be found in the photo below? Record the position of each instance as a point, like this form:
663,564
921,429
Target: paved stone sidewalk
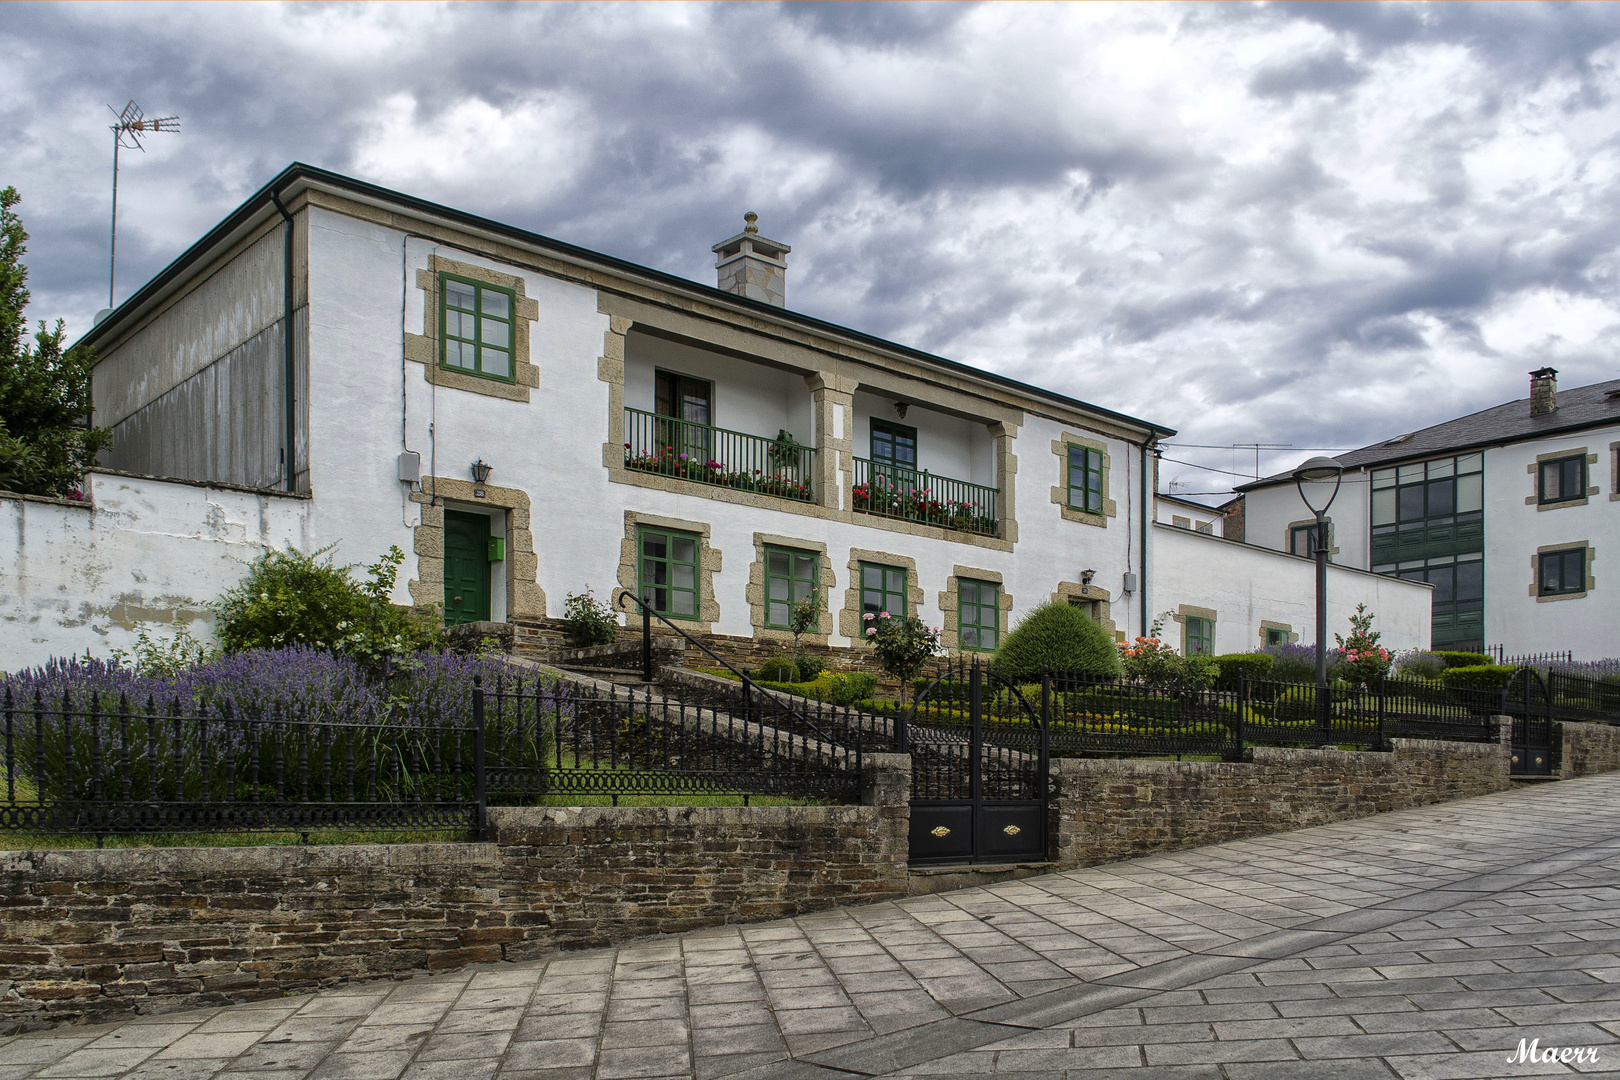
1420,944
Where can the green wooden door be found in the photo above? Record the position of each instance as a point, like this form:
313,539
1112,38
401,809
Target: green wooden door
466,567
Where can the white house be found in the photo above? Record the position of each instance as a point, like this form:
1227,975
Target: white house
525,418
1506,512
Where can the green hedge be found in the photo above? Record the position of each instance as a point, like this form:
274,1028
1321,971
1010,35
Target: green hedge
781,669
1477,676
1235,666
833,687
1464,659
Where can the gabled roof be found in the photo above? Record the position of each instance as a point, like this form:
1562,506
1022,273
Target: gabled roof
1579,407
298,176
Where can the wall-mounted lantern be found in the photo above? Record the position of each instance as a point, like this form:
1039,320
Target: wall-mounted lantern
1086,576
900,408
480,472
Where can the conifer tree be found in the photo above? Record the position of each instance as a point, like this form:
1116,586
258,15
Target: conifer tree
45,443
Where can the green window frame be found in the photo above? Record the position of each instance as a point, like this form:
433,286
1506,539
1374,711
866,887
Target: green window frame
1560,573
883,588
978,618
1561,479
894,444
667,565
1085,479
1300,539
790,577
477,328
1275,636
1200,636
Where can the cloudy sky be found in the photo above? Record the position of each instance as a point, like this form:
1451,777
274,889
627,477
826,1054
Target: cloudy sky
1318,225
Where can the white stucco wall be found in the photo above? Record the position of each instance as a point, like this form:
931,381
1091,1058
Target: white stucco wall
1167,511
1515,618
77,578
1269,511
946,445
1246,584
753,399
367,404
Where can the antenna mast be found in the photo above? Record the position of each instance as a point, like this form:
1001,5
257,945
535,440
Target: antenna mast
132,125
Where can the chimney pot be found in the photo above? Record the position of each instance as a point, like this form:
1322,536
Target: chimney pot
1543,391
750,265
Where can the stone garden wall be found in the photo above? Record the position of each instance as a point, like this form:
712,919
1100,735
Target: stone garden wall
91,934
1584,749
1107,810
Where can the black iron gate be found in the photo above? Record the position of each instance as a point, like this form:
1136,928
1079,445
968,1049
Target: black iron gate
1527,698
979,760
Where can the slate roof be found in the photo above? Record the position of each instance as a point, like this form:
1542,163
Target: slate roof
1578,407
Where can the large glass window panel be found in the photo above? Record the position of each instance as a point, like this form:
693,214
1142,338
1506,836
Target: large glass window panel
1470,581
1443,578
1468,463
1411,474
1442,497
1443,467
1383,506
1411,503
1383,478
1085,479
1470,493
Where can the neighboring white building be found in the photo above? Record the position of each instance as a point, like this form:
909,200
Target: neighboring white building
372,355
1508,513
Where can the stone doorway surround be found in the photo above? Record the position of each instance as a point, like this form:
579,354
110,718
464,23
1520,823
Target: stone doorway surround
524,596
1094,600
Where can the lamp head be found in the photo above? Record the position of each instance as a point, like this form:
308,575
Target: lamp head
1318,468
481,471
1086,576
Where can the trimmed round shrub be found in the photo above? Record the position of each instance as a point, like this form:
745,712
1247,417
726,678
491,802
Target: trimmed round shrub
1059,637
1235,666
1464,659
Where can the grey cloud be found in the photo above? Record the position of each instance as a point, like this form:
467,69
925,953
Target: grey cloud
1321,73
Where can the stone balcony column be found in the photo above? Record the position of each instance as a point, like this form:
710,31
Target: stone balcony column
833,398
1006,479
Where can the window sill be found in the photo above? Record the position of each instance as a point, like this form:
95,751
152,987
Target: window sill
1561,504
1548,598
421,350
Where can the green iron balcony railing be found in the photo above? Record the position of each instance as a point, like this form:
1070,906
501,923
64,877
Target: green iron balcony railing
894,491
704,454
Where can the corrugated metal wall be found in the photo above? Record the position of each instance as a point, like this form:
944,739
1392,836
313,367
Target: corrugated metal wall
225,423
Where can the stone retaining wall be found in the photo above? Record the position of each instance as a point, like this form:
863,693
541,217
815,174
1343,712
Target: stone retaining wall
1108,809
1583,749
91,934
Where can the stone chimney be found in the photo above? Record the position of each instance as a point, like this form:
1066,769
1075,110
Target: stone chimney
752,266
1543,391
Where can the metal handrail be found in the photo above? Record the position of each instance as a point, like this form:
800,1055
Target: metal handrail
749,686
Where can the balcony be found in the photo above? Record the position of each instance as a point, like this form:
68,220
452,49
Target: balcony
892,491
665,446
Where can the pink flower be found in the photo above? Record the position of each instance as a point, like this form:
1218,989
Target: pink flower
871,632
884,615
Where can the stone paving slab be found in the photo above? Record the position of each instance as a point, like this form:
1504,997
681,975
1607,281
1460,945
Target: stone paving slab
1419,945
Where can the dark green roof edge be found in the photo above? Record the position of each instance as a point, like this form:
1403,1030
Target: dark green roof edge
298,170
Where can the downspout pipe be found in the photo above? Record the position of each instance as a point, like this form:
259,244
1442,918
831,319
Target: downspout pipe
289,406
1149,514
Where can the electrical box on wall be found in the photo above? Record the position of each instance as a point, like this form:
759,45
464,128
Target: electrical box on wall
1130,583
497,548
410,467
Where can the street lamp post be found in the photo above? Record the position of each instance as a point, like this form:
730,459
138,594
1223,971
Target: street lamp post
1319,470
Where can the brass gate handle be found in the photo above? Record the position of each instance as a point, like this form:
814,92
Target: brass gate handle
455,600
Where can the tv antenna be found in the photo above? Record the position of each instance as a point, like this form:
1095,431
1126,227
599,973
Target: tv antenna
1257,447
132,126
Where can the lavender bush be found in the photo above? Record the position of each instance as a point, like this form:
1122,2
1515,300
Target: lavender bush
218,736
1596,670
1417,664
1293,662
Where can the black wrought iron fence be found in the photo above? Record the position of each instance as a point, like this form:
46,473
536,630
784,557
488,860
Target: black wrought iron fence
1571,697
610,740
88,765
